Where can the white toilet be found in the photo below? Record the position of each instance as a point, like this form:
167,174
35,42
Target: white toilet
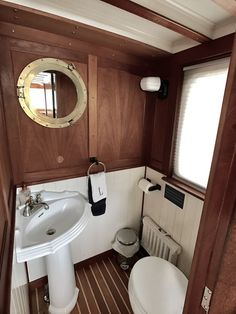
156,287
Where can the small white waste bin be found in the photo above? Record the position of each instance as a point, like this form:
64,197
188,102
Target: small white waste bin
126,244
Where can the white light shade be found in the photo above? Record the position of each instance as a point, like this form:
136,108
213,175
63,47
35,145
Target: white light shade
151,83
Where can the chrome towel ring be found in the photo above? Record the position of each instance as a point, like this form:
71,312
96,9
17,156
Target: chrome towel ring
96,163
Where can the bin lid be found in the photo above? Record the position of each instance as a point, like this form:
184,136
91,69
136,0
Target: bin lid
126,236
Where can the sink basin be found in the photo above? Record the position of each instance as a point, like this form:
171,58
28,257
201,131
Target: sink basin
48,230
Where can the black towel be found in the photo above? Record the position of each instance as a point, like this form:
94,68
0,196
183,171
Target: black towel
99,207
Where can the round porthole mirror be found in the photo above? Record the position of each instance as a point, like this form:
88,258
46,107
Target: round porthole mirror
52,93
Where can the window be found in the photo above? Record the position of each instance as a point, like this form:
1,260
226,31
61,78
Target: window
200,108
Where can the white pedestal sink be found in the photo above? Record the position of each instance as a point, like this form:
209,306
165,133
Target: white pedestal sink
48,233
61,281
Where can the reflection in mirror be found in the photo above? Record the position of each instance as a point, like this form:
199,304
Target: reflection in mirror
53,94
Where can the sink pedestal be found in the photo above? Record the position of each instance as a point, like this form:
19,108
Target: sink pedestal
63,292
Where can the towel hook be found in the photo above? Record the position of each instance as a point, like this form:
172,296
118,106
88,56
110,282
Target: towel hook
95,162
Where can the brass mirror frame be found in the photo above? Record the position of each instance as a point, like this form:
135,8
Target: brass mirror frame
23,91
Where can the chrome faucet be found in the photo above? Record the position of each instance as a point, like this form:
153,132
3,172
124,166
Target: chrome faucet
32,205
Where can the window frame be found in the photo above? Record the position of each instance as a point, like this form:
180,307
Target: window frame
183,184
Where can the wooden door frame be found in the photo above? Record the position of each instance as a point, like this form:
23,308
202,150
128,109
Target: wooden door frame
219,203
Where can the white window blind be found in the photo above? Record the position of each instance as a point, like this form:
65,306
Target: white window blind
200,108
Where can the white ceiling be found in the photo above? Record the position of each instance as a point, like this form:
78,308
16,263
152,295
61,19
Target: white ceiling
204,16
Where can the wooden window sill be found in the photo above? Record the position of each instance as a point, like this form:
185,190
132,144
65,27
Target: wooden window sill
185,187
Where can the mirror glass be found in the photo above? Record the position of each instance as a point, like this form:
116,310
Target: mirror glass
52,94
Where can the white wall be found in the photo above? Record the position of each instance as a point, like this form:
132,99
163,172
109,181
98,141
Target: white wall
181,224
123,209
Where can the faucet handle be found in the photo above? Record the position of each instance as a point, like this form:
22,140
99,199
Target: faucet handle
28,206
38,198
29,201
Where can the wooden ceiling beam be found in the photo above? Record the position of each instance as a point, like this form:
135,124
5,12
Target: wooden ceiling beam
157,18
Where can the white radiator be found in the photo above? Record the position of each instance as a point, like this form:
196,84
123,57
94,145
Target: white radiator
158,243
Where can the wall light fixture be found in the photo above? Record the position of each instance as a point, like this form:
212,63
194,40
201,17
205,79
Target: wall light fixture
155,84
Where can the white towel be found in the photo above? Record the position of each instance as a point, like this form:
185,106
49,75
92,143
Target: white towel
98,184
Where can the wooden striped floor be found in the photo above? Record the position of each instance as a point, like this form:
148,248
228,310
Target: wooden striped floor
103,289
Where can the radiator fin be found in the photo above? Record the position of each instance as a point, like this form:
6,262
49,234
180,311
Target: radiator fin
158,243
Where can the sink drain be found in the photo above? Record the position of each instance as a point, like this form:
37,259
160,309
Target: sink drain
51,231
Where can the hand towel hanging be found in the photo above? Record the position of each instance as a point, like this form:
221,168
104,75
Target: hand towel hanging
98,183
97,191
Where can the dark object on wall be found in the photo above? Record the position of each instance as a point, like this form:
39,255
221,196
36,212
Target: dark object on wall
93,160
154,187
163,91
174,196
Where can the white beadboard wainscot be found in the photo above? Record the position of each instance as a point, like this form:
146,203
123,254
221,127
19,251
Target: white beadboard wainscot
181,224
19,289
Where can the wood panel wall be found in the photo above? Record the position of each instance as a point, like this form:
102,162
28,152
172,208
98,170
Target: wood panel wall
166,110
121,108
224,296
7,205
111,128
212,257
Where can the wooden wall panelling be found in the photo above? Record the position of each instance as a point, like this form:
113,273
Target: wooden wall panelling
5,182
5,166
160,132
52,49
212,50
161,120
42,146
176,81
136,64
226,227
17,14
224,265
7,210
10,110
35,157
224,298
218,206
105,62
92,104
148,125
166,113
121,109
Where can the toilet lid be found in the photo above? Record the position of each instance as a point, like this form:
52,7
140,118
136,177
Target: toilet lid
157,286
